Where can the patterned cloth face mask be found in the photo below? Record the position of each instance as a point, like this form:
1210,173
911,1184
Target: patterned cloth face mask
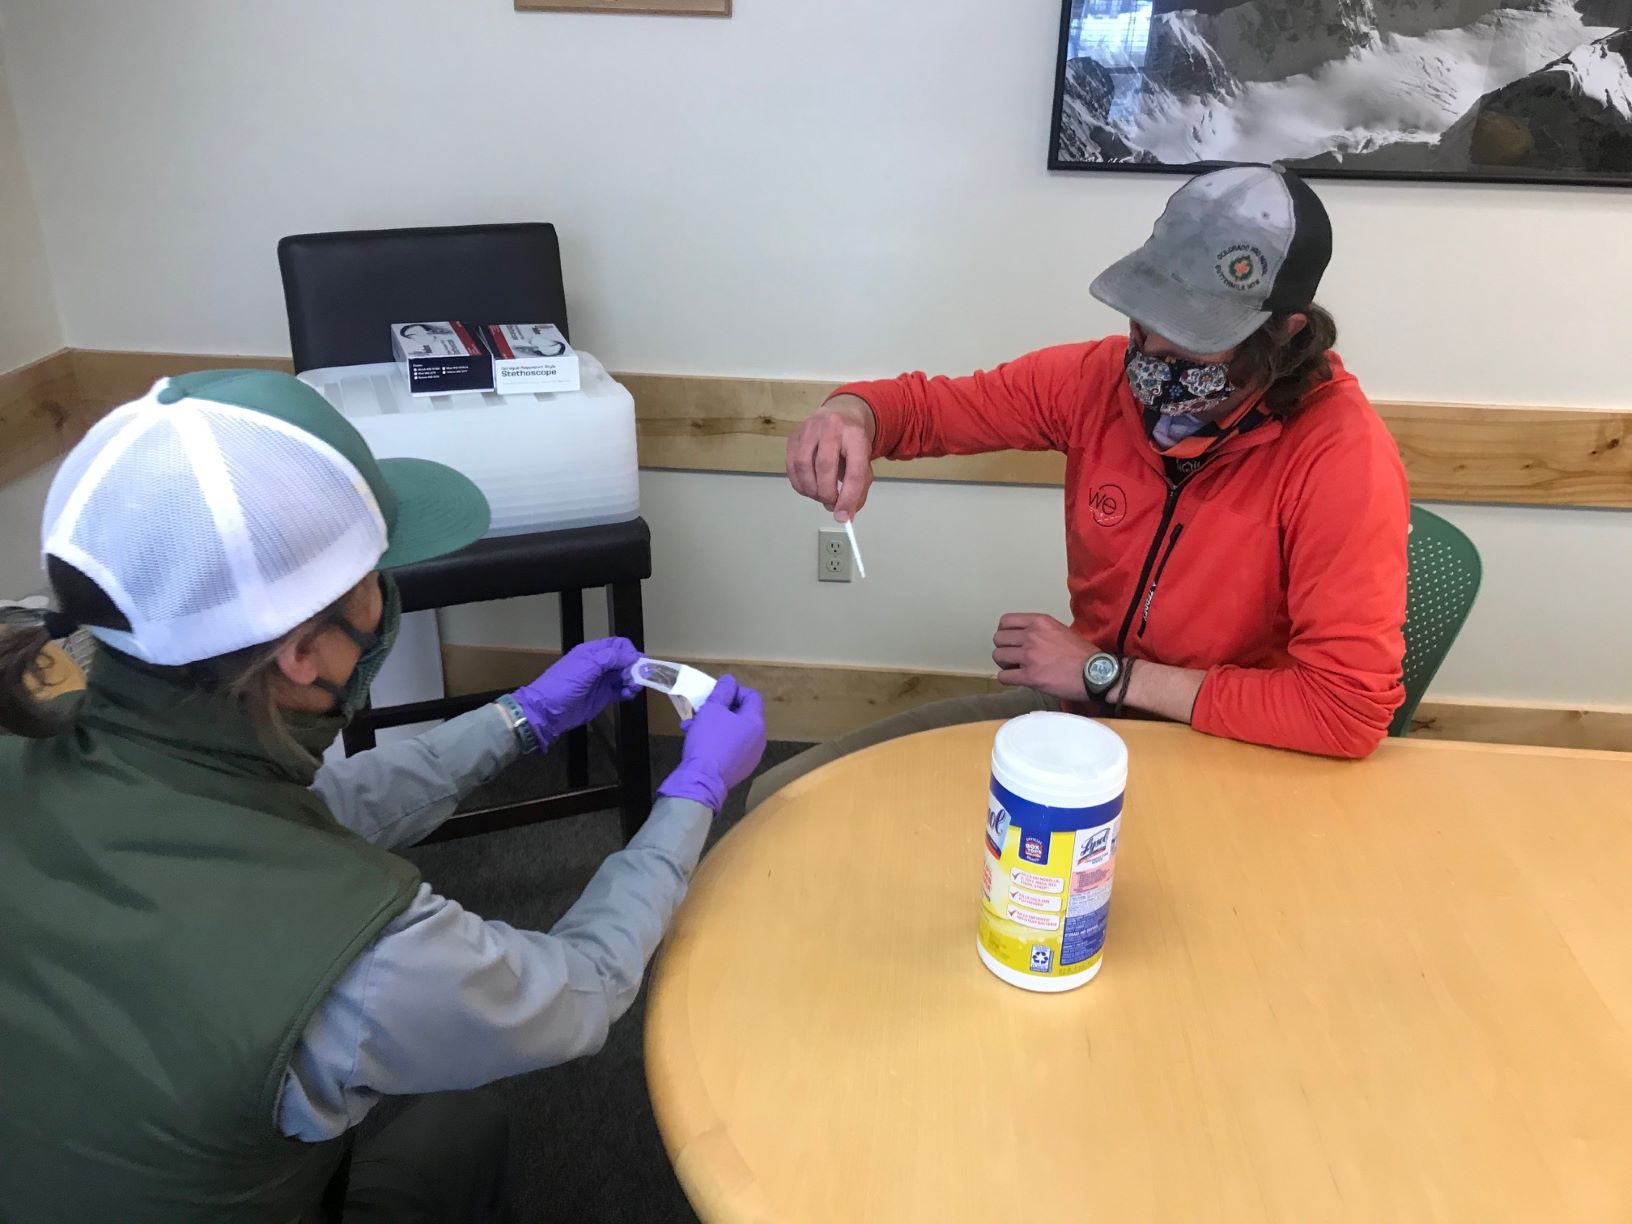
1175,386
1181,401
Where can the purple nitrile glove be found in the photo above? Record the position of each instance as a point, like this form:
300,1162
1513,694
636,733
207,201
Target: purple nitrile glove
577,687
723,744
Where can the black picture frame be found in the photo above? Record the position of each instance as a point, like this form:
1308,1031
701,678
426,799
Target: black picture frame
1477,173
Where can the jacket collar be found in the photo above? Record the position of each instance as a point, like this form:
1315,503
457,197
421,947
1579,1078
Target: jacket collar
155,715
1133,417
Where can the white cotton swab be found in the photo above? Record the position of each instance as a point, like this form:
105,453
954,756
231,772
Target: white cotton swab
855,549
850,534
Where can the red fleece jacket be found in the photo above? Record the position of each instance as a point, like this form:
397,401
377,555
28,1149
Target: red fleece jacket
1278,568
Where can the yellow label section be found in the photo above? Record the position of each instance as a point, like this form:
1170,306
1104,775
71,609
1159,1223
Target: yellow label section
1022,914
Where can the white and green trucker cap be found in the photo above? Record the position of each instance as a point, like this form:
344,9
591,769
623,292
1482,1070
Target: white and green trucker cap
224,508
1232,248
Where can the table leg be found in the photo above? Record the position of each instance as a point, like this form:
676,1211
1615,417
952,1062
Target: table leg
633,747
359,735
572,634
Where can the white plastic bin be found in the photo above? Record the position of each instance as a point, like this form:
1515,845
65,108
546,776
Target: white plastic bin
546,462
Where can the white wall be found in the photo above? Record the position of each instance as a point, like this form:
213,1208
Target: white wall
29,329
814,188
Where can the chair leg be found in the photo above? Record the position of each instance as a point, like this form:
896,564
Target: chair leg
572,634
634,748
359,734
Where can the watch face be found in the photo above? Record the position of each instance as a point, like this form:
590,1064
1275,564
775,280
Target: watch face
1101,670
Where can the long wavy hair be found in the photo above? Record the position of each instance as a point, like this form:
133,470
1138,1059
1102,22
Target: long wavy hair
1289,367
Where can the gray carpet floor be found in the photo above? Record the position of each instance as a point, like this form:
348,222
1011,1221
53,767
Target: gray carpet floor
584,1144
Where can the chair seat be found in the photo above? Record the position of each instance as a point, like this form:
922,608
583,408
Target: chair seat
537,563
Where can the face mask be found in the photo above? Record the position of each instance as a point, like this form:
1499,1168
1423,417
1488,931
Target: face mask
351,696
1174,386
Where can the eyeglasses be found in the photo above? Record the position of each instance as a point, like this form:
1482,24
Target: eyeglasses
364,642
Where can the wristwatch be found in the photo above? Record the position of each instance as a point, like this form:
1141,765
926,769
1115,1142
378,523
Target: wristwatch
1100,673
526,737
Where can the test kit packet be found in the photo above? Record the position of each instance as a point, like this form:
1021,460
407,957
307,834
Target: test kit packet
441,357
530,357
686,687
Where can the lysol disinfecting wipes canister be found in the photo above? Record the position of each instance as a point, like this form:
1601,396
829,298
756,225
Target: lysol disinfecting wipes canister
1052,822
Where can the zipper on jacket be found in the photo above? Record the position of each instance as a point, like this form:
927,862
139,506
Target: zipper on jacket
1150,595
1150,563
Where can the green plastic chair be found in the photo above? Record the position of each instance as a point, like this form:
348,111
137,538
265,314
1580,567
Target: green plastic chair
1442,580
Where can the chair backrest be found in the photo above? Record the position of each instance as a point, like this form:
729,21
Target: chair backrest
344,290
1442,581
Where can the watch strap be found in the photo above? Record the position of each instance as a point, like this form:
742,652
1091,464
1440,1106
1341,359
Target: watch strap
1122,689
523,730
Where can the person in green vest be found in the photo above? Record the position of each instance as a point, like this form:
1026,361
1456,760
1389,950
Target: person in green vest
212,965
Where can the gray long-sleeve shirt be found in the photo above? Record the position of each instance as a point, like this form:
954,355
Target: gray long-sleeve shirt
445,1000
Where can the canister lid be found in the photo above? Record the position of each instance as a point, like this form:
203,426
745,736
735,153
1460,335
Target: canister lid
1060,760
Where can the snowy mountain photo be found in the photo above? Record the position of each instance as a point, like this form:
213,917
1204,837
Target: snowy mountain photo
1523,89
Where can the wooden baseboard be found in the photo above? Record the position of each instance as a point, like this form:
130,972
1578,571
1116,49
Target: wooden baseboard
811,701
803,701
815,702
110,378
1607,730
1452,452
42,414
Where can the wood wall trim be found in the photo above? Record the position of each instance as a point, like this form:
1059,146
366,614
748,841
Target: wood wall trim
650,8
108,378
1452,452
1514,456
688,423
42,414
809,701
1458,453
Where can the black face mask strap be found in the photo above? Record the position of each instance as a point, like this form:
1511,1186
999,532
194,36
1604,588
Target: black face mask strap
334,690
364,642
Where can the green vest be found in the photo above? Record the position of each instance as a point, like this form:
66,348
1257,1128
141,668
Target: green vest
174,903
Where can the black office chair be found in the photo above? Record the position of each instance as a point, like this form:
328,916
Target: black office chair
343,291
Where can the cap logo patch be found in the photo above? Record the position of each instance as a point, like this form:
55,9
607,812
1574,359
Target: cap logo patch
1242,266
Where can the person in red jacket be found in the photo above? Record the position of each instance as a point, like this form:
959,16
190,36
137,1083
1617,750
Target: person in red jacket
1235,511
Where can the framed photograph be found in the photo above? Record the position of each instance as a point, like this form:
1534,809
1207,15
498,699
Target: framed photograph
685,8
1484,90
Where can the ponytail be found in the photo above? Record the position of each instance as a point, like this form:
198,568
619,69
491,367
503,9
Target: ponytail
23,661
247,675
22,674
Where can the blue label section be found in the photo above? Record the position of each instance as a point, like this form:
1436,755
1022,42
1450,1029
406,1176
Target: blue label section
1034,848
1041,820
997,827
1084,935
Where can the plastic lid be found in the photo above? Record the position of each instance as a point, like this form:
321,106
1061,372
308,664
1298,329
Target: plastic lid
1060,760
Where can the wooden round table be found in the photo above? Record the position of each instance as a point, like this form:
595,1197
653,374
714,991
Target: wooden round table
1392,990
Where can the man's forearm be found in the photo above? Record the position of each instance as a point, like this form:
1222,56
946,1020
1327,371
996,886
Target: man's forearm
1168,692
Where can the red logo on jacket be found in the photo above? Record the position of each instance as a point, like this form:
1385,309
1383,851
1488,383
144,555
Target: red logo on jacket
1109,504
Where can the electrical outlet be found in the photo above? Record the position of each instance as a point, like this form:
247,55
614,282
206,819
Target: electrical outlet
833,560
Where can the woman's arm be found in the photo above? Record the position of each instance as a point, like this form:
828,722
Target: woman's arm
400,793
444,1000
